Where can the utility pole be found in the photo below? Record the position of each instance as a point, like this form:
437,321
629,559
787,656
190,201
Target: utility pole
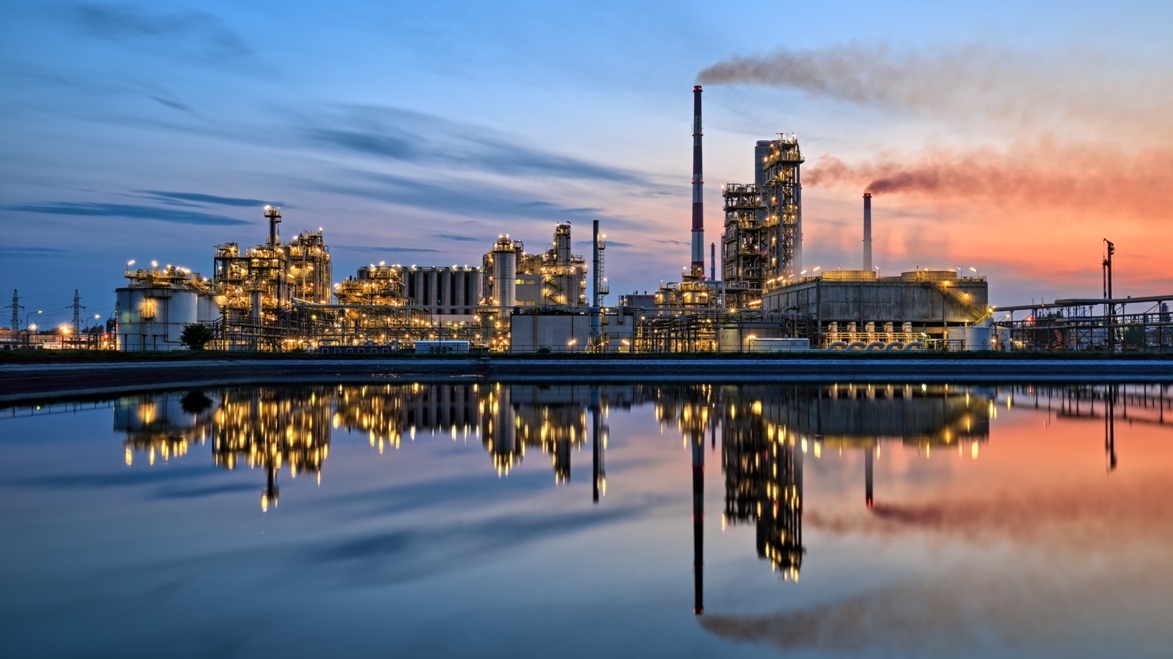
15,306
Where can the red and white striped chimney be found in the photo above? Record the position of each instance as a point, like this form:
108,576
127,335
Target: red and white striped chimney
698,182
867,231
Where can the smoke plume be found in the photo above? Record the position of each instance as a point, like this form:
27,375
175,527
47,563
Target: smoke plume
966,83
1085,134
1043,175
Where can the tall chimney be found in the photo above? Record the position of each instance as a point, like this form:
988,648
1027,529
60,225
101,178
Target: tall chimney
867,231
698,203
713,261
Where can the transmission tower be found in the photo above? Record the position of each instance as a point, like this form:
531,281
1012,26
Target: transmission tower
15,306
76,313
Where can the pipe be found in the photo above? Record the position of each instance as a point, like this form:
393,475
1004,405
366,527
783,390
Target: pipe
875,345
915,345
837,345
698,203
867,231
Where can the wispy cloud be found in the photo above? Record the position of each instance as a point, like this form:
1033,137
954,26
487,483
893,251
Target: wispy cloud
189,33
414,137
468,239
31,252
455,197
392,250
201,198
128,211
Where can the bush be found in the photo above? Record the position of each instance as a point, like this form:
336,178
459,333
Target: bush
196,336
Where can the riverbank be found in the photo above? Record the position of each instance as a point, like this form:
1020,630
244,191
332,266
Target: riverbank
32,380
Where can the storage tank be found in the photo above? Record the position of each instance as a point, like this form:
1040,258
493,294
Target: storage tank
504,272
978,337
156,305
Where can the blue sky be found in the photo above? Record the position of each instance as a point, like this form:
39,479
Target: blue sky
416,133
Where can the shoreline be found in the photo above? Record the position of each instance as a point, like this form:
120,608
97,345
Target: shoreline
33,381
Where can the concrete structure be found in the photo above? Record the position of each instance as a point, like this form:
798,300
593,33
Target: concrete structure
556,332
840,305
156,305
562,331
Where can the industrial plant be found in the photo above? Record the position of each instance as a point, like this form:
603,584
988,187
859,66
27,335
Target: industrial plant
761,296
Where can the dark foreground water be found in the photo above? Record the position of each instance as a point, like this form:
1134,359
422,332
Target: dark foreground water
504,520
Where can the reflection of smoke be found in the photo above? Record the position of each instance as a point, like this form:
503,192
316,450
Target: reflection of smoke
1014,607
965,83
1042,175
1137,511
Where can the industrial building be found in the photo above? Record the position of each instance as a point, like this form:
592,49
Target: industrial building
277,296
157,303
846,308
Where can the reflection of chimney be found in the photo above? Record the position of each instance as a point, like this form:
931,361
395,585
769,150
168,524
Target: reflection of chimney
698,521
868,456
698,201
867,231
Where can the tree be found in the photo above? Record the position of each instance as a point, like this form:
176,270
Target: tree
196,336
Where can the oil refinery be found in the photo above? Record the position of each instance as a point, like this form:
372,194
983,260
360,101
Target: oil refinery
282,296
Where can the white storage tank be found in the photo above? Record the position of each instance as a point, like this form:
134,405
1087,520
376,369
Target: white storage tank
156,305
979,337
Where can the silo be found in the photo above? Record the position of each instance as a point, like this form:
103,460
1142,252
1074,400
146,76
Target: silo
504,272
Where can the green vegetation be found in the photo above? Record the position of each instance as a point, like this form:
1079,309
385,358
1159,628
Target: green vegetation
195,336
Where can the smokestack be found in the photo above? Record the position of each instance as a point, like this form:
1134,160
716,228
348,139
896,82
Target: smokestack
698,203
867,231
713,261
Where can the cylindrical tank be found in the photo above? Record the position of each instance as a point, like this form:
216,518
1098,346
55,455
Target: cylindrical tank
978,337
504,272
153,317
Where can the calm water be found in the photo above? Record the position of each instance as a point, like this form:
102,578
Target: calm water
505,520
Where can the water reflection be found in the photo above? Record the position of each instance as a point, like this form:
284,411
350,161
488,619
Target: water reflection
766,433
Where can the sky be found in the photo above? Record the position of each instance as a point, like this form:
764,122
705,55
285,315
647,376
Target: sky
1012,137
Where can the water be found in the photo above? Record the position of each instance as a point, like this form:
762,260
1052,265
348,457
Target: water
495,520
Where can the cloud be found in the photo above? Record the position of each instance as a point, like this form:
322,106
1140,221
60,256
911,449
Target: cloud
469,239
394,250
455,197
174,104
31,252
403,135
128,211
241,202
191,32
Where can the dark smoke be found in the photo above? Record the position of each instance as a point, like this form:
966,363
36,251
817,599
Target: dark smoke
965,83
1039,175
1084,133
